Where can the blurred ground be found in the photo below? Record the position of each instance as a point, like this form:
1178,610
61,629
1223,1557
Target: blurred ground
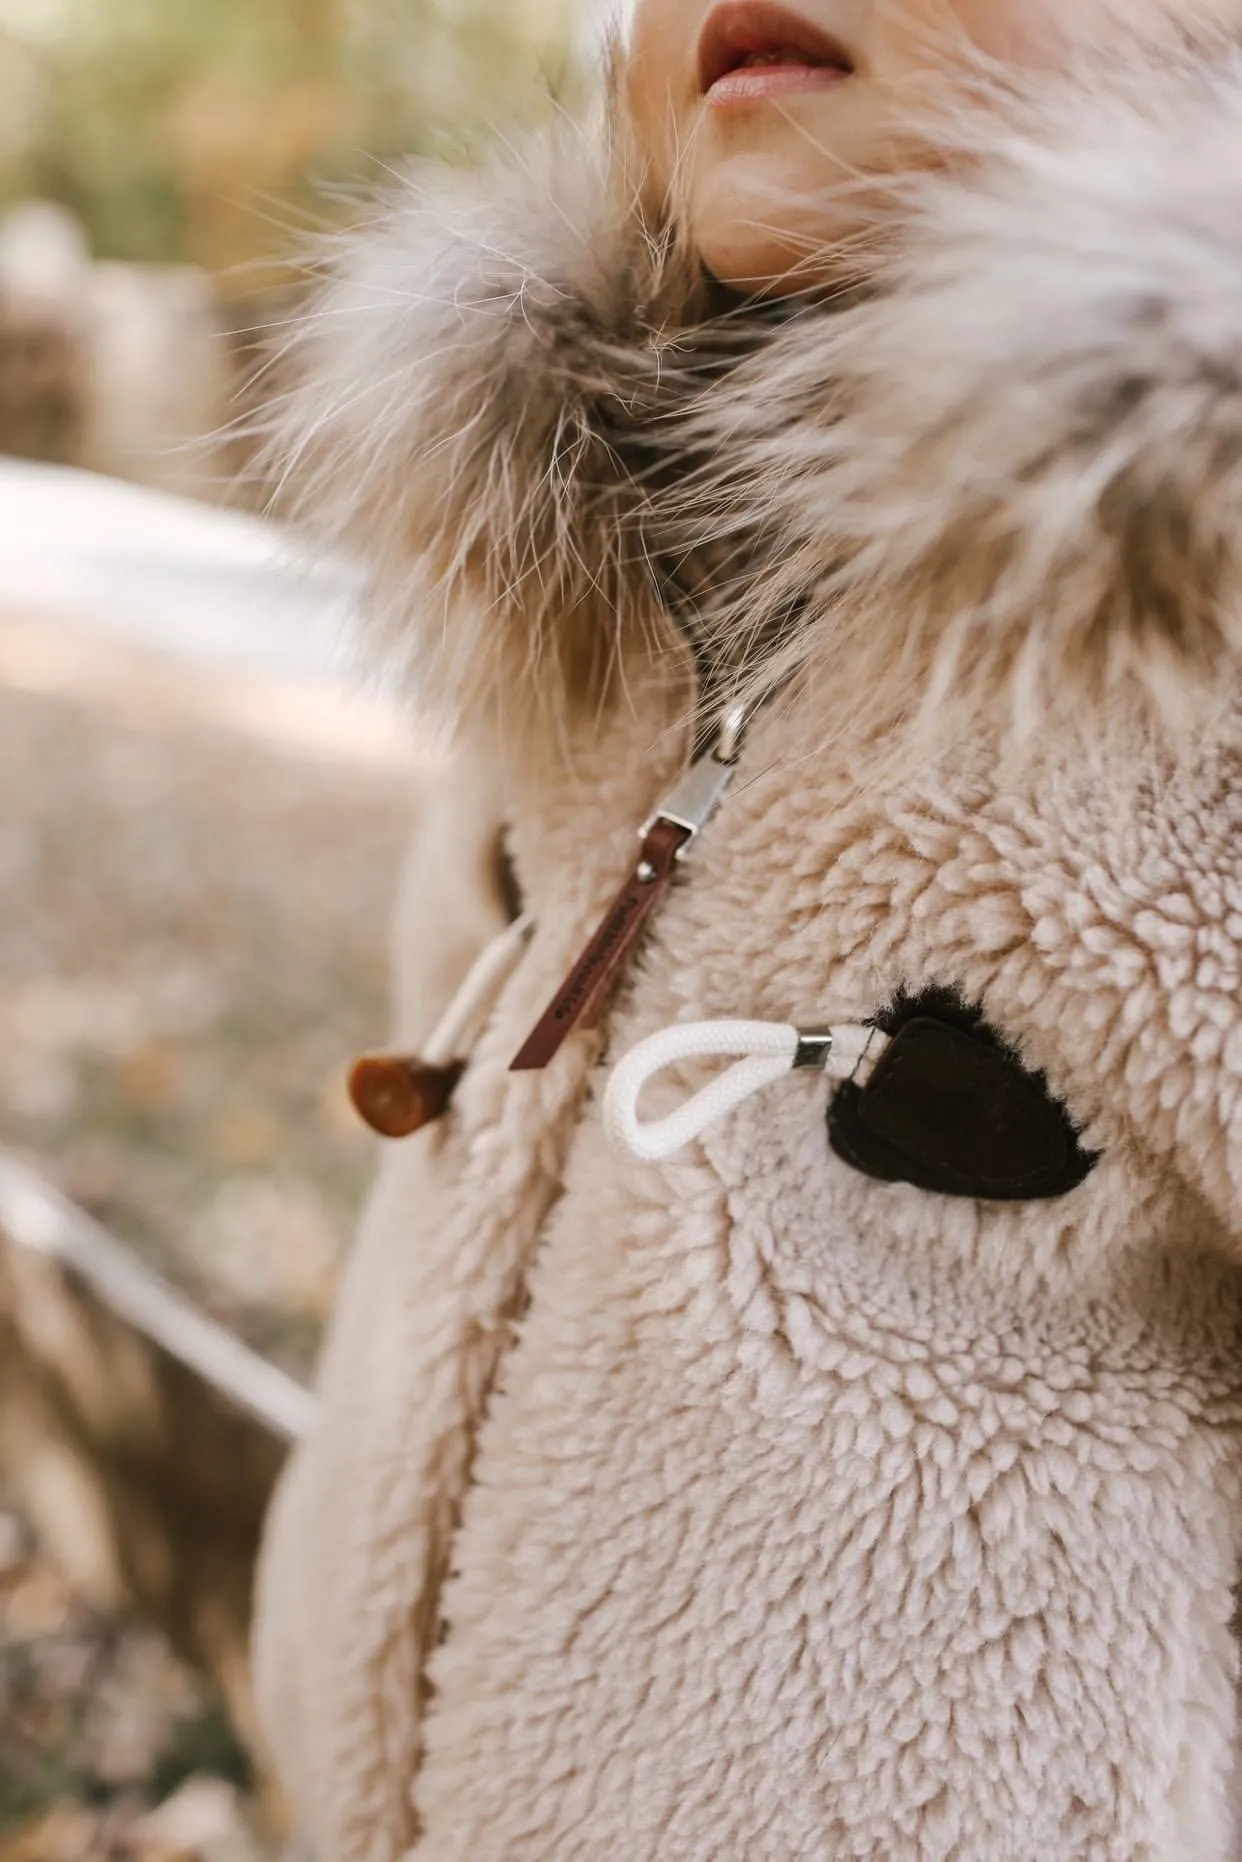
110,1751
195,876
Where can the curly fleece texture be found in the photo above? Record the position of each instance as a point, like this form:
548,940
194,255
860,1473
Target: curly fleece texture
741,1507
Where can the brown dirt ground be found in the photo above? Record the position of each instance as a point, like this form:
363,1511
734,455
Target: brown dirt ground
195,883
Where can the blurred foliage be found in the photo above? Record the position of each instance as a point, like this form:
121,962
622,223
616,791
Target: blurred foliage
206,130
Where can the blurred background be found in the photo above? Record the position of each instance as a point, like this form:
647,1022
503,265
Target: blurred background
202,816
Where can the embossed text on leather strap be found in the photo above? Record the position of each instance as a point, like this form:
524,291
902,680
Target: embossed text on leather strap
582,997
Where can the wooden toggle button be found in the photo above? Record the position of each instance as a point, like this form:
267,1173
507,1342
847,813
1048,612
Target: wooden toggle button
397,1094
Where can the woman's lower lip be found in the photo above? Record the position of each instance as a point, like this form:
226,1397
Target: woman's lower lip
753,83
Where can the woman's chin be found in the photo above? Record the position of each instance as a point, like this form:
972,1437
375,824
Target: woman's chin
763,230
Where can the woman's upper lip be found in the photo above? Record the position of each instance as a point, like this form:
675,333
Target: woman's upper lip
742,29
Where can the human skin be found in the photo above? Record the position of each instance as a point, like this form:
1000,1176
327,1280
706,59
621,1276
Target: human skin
781,188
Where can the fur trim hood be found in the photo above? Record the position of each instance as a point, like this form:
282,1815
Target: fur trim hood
1005,480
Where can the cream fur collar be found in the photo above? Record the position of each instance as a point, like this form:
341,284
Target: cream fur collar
1008,481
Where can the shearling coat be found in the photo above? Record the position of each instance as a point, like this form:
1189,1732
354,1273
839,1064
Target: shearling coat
743,1507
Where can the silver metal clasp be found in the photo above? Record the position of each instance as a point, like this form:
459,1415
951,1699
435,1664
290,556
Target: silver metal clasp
728,745
693,798
699,790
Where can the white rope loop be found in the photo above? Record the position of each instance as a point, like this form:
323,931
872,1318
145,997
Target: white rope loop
765,1052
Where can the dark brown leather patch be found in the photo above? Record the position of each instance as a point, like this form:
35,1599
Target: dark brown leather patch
950,1109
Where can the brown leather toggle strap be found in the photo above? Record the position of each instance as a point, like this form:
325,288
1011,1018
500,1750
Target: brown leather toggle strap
397,1094
583,996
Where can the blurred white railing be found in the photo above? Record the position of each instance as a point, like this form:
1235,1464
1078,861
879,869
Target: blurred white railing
35,1216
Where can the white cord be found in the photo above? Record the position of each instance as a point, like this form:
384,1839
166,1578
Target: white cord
454,1034
766,1051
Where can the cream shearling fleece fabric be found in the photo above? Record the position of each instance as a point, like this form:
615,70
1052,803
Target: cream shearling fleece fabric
741,1508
